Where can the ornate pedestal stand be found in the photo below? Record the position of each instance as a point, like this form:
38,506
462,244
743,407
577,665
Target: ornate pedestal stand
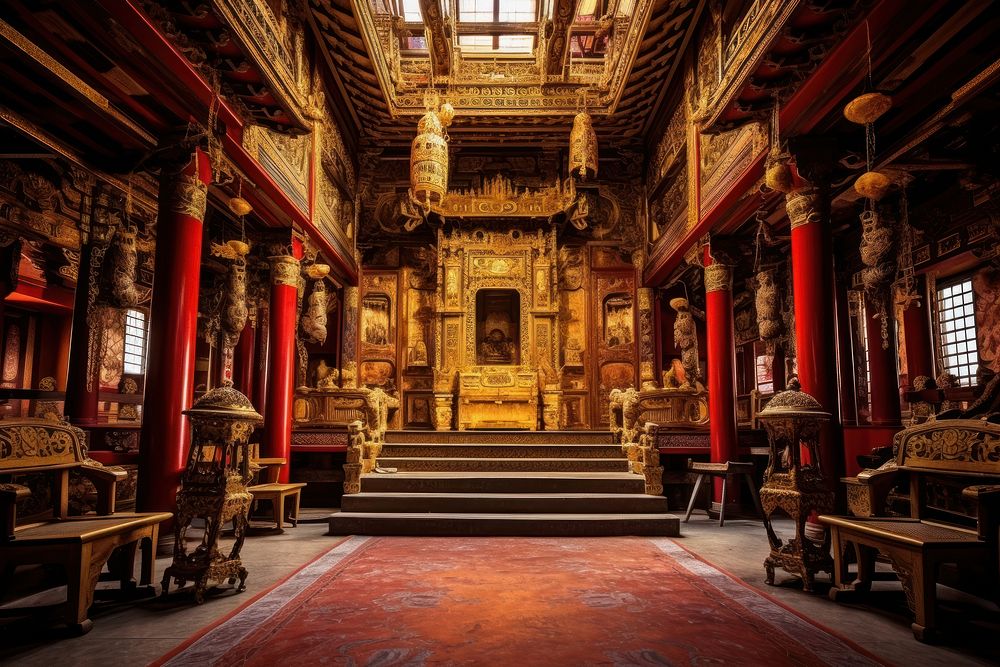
792,420
214,488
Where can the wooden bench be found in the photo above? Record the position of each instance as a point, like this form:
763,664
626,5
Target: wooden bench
953,468
81,545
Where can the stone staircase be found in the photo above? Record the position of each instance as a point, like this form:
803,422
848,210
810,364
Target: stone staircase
563,483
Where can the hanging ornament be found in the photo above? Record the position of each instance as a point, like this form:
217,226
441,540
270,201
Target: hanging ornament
777,167
583,147
240,248
867,108
238,204
872,184
429,161
446,114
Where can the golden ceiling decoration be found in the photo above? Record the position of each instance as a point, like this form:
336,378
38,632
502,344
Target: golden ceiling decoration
499,197
532,68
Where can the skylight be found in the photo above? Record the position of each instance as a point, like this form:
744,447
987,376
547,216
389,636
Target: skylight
470,45
410,9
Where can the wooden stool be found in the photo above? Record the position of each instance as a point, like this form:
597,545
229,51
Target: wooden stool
276,494
725,471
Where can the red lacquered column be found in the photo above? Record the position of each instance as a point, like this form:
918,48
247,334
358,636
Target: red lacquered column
243,360
173,327
917,333
277,442
82,383
815,317
721,341
883,371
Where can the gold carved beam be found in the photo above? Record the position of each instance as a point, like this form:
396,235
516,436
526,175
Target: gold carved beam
499,197
438,43
563,13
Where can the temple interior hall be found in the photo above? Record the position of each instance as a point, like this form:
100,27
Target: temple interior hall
499,332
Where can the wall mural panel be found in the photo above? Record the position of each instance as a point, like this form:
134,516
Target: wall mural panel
614,337
378,329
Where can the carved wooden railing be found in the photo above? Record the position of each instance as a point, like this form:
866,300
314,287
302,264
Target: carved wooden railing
637,416
363,413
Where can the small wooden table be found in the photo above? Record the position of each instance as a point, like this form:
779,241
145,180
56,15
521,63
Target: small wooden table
276,494
725,471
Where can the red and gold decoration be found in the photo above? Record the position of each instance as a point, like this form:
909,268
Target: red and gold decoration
277,440
173,331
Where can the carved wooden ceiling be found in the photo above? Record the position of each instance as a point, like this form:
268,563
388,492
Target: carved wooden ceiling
516,72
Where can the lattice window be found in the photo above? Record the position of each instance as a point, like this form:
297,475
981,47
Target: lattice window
763,368
862,364
956,321
135,342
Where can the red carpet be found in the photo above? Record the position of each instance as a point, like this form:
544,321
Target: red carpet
513,601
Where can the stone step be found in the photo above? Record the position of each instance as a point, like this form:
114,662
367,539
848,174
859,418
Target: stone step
509,503
472,524
504,482
440,464
488,450
502,437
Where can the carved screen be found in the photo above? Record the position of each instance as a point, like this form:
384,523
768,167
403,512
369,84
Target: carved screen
498,327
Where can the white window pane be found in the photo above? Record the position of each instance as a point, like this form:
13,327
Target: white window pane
517,10
411,10
475,43
517,43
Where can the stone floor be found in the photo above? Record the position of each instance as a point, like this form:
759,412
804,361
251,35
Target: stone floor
139,632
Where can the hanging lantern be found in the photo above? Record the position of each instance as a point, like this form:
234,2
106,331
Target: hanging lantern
872,184
867,108
429,161
583,147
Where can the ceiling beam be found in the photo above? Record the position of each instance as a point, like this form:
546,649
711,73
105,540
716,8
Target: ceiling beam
438,41
557,49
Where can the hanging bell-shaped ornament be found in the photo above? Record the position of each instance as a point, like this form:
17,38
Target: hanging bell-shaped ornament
429,161
778,173
239,248
867,108
239,206
317,271
872,184
583,147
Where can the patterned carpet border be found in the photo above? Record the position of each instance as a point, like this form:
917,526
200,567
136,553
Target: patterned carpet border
213,643
791,623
